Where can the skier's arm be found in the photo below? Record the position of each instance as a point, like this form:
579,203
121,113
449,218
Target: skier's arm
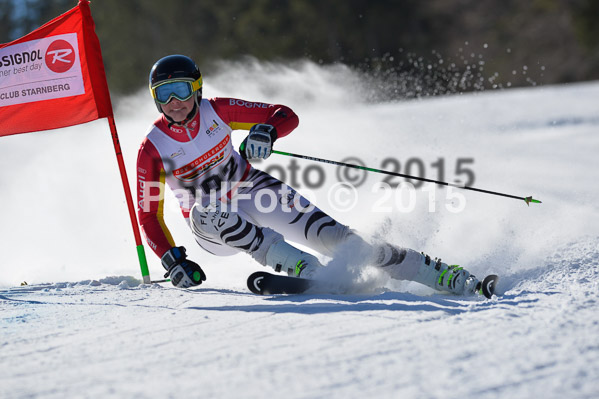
150,199
240,114
266,123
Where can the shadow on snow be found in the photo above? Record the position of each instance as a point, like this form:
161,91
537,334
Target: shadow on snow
332,303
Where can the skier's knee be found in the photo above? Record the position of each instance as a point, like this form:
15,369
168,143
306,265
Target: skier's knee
210,220
229,228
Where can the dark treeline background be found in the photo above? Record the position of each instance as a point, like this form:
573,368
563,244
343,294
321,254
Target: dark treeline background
414,47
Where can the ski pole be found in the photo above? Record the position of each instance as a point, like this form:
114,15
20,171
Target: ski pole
528,200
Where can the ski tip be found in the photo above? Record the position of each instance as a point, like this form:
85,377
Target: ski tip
488,285
254,283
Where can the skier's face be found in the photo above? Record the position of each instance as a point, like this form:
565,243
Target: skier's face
177,109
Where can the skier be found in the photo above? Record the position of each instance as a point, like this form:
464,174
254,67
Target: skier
231,206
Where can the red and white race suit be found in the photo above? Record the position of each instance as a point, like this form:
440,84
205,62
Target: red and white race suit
198,158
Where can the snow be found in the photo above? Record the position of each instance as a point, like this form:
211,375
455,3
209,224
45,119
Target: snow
86,327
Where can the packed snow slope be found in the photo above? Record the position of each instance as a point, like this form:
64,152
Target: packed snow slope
75,331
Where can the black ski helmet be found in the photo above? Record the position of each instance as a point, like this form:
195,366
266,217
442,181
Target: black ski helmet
175,67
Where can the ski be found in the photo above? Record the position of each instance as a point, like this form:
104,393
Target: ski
264,283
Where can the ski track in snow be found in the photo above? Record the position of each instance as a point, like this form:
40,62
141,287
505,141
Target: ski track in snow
112,337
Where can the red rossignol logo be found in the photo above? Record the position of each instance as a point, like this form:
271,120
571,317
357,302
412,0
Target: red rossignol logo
60,56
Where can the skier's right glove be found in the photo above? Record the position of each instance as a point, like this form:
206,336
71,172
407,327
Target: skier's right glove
258,143
184,273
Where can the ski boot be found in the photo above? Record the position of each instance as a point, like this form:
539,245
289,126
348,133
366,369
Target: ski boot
444,277
282,256
407,264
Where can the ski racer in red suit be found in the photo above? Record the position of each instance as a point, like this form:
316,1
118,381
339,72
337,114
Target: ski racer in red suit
232,207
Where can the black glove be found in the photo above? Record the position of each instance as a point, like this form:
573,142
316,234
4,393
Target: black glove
184,273
258,143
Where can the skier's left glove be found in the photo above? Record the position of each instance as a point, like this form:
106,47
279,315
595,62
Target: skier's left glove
184,273
258,144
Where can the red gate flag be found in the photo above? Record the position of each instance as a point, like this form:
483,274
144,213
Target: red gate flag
54,76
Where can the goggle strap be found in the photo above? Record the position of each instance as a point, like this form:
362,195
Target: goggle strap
197,84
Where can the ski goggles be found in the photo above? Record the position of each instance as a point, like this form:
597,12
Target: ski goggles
180,89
